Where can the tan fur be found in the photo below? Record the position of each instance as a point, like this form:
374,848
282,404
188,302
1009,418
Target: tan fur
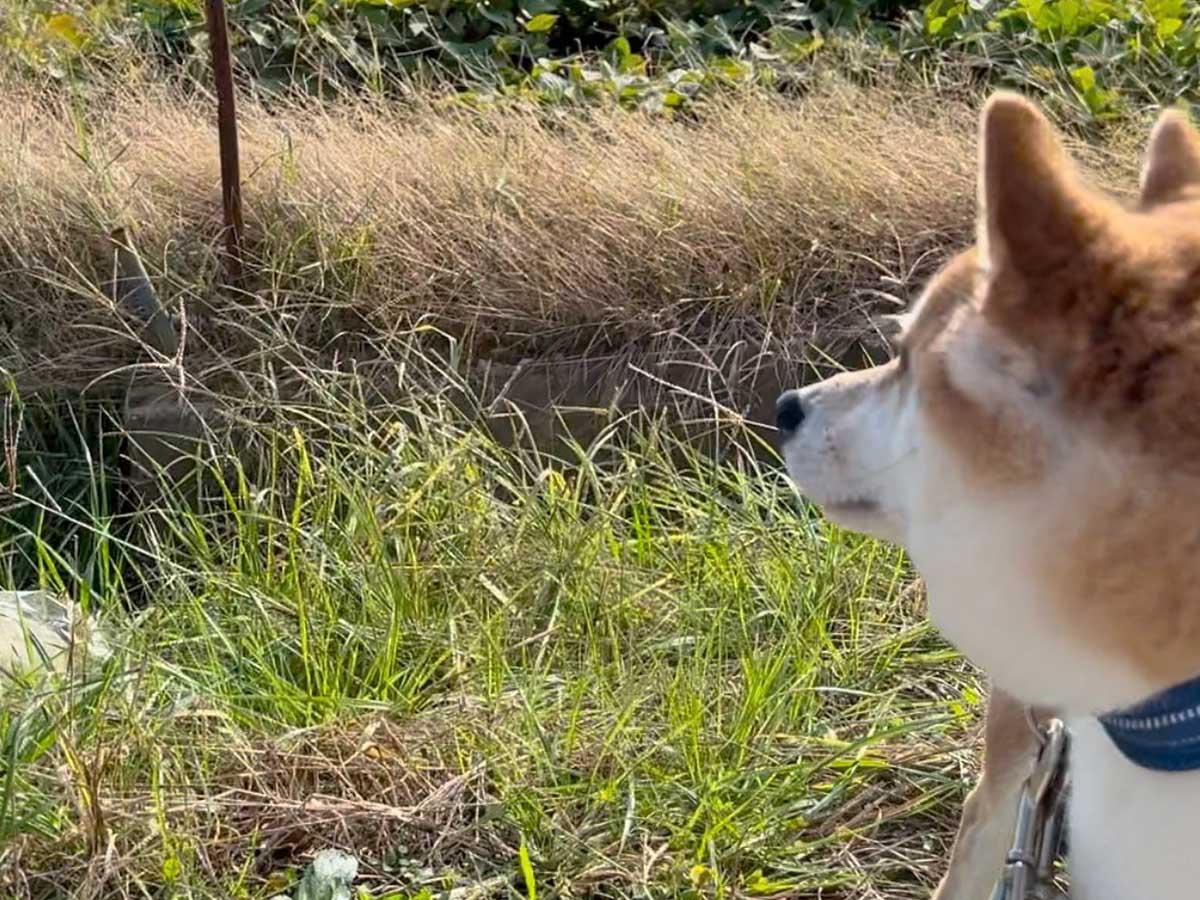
1109,301
950,289
1075,326
1116,313
1172,169
997,440
989,814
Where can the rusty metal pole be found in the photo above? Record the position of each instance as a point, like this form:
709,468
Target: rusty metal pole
231,179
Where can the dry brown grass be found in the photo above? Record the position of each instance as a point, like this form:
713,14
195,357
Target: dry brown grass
370,786
531,233
388,792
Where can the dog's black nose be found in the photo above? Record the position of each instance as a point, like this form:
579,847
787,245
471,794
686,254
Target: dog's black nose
789,412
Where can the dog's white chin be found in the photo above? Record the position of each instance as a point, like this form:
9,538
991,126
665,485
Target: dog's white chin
862,514
867,519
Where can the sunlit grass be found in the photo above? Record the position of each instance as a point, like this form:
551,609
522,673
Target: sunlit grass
381,630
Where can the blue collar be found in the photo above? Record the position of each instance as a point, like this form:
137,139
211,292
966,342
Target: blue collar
1161,733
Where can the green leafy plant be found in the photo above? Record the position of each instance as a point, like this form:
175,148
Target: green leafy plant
646,53
1101,54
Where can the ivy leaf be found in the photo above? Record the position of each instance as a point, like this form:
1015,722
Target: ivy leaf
542,22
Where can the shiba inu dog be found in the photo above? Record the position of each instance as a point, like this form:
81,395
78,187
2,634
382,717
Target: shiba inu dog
1035,445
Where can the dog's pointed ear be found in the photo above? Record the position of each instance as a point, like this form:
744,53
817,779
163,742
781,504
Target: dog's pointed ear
1172,163
1035,212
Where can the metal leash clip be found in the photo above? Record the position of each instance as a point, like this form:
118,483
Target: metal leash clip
1029,867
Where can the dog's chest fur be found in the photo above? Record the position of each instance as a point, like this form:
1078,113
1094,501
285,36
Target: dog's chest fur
980,563
1132,830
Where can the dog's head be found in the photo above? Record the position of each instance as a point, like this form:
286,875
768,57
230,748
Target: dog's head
1037,430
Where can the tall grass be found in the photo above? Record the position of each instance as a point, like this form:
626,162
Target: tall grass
526,232
376,628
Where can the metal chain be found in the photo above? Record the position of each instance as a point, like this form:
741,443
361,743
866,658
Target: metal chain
1029,867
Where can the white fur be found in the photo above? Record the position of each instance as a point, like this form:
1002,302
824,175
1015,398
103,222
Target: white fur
984,593
1132,831
856,443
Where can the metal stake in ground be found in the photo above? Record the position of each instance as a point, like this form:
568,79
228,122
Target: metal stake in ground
231,179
